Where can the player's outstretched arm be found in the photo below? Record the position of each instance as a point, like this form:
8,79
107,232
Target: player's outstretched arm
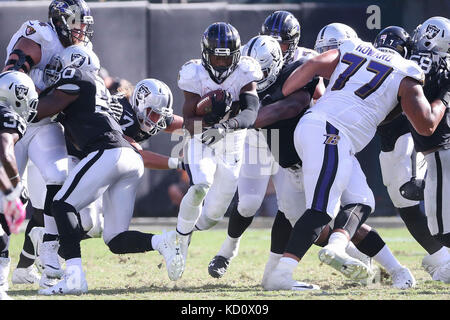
54,103
24,56
286,108
7,156
249,104
189,116
424,117
322,65
175,125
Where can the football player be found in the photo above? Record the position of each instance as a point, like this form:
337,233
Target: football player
18,102
398,160
30,50
112,168
347,115
367,239
213,154
431,50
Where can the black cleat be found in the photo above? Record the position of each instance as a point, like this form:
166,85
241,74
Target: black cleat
218,266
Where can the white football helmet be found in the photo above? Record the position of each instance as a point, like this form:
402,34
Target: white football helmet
75,56
434,36
152,102
332,35
267,51
18,93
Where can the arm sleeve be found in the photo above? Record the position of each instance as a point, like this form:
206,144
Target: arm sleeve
246,118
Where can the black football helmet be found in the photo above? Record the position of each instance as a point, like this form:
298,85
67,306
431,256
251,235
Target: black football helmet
284,27
221,52
394,38
71,20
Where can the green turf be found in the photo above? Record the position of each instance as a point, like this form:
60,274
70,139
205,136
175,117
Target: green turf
143,276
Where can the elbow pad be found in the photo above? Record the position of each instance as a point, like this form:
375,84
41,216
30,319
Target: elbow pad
250,104
248,101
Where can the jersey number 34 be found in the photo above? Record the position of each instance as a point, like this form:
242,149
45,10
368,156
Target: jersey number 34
355,62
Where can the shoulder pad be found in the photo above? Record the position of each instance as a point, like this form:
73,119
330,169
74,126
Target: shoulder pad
250,66
410,69
187,75
38,31
349,45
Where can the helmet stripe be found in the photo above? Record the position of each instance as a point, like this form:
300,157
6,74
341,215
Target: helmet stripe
323,32
274,22
251,45
282,18
226,34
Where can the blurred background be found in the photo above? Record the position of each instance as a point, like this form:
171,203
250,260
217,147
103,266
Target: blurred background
139,39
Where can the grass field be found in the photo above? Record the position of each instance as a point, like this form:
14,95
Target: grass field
144,277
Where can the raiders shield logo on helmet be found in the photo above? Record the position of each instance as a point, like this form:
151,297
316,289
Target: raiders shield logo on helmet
143,92
432,31
21,91
77,59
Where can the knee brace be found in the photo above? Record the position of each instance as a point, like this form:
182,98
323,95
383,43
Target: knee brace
306,231
351,217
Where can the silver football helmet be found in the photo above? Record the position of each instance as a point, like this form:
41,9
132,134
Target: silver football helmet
267,51
18,93
332,35
152,102
75,56
433,36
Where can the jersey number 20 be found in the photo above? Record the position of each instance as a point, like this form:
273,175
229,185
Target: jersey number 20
355,62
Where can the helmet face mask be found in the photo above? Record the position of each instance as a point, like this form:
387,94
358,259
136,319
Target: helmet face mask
266,50
332,35
152,102
72,21
285,28
221,53
18,93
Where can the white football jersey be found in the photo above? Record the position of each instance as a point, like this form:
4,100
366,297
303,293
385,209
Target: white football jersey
302,52
43,34
193,77
363,89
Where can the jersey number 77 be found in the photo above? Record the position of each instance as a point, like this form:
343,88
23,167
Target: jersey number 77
355,62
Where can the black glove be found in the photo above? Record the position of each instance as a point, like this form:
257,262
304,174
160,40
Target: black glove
219,108
413,189
214,134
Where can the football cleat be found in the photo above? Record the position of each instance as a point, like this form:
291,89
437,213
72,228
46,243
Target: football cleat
36,236
50,260
218,266
47,282
437,272
280,279
28,275
74,282
4,272
402,278
350,267
169,248
270,266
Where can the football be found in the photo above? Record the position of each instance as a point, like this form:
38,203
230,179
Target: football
204,106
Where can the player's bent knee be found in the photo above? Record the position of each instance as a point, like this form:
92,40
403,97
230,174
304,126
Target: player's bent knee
199,192
248,205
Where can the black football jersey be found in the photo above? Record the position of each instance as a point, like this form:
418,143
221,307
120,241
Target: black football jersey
87,122
10,120
441,136
287,154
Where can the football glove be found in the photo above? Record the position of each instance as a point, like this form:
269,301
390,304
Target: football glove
219,108
13,208
214,134
413,189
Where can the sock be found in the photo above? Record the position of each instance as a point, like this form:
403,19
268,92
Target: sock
439,257
339,240
237,224
279,236
352,251
230,248
190,210
74,262
387,260
156,239
288,264
50,225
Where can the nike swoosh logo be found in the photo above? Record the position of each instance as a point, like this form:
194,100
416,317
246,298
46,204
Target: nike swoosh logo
47,265
304,287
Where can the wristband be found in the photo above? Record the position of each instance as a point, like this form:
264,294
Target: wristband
14,193
172,163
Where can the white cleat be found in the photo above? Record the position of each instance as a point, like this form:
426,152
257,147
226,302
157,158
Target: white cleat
28,275
4,296
73,283
47,282
402,278
280,279
437,272
350,267
169,248
50,259
5,263
270,266
36,236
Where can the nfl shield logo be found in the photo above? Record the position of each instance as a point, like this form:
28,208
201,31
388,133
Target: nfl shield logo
432,31
21,92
